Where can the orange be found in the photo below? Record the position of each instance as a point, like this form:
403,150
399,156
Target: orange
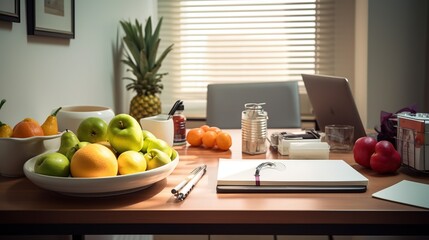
94,160
205,127
214,129
209,139
194,137
223,141
27,128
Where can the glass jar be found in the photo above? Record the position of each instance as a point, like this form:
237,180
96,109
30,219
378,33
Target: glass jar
179,120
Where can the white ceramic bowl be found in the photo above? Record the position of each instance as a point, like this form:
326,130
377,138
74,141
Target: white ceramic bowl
69,117
14,152
99,187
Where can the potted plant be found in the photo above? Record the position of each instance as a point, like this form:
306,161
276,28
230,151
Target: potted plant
141,59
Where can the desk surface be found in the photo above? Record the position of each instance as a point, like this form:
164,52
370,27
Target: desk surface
28,209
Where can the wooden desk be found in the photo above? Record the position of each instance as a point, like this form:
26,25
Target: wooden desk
27,209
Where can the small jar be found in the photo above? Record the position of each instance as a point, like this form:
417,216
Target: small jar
179,120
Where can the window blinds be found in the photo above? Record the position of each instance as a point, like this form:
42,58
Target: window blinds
241,41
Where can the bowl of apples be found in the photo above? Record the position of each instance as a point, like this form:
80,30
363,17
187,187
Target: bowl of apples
120,158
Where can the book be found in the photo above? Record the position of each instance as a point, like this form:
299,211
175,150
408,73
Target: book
406,192
239,176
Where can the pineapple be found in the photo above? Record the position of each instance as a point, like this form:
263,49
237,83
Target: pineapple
142,62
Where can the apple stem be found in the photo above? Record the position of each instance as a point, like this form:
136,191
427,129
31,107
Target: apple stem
121,123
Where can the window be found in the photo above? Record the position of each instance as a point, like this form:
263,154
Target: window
241,41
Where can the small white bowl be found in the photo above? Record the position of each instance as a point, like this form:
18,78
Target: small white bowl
69,117
14,152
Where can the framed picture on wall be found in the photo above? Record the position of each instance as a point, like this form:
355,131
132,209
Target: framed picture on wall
10,11
53,18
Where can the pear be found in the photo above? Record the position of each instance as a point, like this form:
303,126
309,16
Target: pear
68,140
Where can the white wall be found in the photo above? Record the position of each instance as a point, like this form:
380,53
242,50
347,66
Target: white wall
38,74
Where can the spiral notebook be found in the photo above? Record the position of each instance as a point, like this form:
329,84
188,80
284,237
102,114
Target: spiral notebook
241,176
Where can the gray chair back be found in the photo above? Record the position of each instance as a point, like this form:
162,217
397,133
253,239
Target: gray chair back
225,103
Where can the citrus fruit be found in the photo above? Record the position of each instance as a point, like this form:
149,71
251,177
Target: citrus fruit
205,127
214,129
209,139
27,128
223,141
94,160
5,130
131,162
194,136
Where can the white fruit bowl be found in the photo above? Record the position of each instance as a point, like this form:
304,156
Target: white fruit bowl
69,117
102,186
14,152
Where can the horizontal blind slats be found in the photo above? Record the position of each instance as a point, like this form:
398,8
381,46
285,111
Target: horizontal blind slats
241,41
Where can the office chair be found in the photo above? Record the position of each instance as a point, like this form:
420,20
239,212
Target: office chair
225,103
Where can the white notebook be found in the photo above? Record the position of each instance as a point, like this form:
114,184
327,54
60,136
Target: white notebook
238,175
406,192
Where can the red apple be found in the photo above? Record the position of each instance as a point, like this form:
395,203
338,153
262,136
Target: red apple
363,149
385,158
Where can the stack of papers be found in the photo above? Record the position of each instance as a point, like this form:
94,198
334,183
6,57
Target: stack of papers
238,176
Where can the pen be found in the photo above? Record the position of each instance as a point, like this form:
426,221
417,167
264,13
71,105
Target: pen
176,189
184,192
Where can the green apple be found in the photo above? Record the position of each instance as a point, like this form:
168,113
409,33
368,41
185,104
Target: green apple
93,130
174,154
147,136
124,133
156,158
160,145
74,149
52,164
68,140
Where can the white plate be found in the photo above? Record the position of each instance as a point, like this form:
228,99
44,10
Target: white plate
99,187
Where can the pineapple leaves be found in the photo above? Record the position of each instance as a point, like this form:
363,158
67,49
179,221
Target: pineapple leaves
141,56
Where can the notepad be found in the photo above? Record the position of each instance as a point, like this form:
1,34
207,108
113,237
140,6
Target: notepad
238,175
406,192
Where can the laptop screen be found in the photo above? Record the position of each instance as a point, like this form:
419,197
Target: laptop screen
333,102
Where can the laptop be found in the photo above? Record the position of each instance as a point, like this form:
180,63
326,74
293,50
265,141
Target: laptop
333,102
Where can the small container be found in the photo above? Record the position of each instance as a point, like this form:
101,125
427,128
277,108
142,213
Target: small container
413,140
179,120
309,150
284,144
253,129
339,137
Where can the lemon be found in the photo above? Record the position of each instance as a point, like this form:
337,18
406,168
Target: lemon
131,162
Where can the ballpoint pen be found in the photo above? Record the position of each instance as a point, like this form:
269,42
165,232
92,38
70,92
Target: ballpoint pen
176,189
184,192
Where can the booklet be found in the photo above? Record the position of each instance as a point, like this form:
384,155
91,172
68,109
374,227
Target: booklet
406,192
265,175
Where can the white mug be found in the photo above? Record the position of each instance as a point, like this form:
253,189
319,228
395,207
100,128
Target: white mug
161,126
70,117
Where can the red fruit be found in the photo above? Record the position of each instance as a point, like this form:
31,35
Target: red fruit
385,158
363,149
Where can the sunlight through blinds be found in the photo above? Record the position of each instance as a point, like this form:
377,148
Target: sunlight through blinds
241,41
